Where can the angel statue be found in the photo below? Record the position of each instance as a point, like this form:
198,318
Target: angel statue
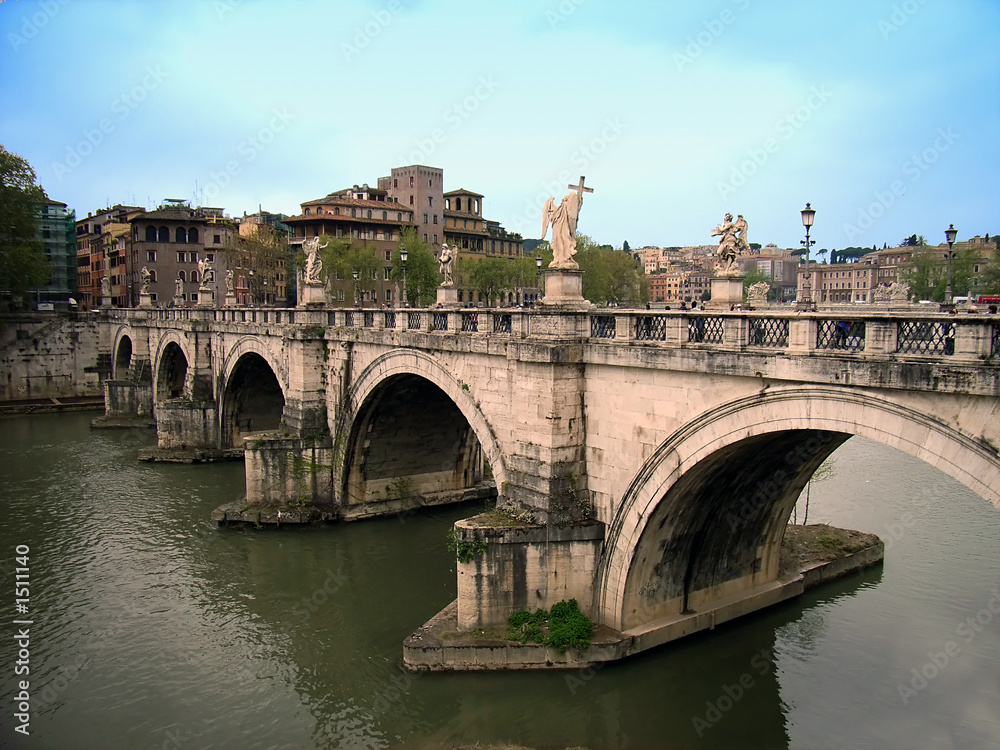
206,272
446,261
144,278
313,263
732,243
563,219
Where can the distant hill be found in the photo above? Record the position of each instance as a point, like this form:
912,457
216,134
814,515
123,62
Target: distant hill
530,245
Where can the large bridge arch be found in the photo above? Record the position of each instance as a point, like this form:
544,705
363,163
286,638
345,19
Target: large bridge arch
704,517
252,394
403,369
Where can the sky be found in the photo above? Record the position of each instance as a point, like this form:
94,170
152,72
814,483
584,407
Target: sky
883,114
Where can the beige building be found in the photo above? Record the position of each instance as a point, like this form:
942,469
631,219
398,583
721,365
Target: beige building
419,188
362,216
100,251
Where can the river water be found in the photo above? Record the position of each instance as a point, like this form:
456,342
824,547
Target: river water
152,628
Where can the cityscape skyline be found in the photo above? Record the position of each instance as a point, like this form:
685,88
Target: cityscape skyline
871,112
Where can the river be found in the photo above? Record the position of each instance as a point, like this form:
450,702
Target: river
152,628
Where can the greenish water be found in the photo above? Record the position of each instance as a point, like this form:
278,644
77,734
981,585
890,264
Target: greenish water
153,628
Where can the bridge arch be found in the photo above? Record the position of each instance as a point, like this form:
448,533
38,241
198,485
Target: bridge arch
123,352
171,367
704,517
416,378
252,394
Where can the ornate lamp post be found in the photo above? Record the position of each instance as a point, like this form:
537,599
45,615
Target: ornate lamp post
355,287
538,274
251,286
806,303
949,234
402,259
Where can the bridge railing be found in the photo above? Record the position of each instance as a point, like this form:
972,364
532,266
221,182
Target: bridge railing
854,332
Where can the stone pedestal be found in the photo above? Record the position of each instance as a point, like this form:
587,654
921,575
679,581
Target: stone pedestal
447,296
145,300
312,294
205,298
564,289
230,300
726,292
177,302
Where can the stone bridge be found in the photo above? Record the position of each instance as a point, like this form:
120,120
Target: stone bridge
645,462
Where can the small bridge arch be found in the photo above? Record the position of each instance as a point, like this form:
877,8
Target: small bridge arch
172,366
124,350
437,442
704,517
251,391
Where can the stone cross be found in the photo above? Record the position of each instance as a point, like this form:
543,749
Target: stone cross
579,188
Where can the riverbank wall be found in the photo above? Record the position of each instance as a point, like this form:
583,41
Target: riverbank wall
50,355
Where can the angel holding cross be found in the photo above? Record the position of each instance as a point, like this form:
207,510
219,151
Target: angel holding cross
563,219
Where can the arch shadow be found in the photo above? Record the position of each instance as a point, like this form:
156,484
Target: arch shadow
252,395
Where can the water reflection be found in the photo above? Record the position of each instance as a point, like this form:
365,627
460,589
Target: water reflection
152,624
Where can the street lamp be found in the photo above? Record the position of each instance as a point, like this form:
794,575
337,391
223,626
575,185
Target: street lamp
538,273
949,234
251,285
808,214
402,257
355,287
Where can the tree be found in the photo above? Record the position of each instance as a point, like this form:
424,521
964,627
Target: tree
260,257
625,247
610,276
22,257
989,279
913,241
928,273
422,277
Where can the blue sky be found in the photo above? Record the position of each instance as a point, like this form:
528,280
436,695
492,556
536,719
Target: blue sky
885,115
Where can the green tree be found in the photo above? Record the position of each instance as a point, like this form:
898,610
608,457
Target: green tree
913,241
422,277
989,279
261,256
22,257
928,273
610,276
341,260
490,277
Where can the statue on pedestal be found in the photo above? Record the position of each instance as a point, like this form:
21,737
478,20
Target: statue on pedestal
313,263
144,277
732,242
563,219
106,288
229,281
178,287
446,261
206,272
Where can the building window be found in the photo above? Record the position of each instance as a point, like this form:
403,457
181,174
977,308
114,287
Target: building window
181,257
340,295
192,235
458,204
150,234
435,218
210,257
411,200
217,239
435,239
182,276
388,295
425,236
194,296
425,218
194,276
163,235
369,214
151,256
399,216
385,216
152,274
388,254
395,184
430,202
447,204
354,213
411,185
306,212
386,272
465,224
180,235
430,182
